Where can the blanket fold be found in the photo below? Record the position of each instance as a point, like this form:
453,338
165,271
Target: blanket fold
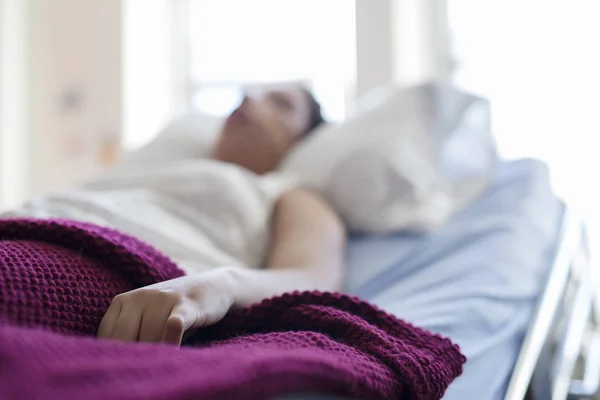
58,277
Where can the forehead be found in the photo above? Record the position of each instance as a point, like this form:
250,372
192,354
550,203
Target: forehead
294,94
291,91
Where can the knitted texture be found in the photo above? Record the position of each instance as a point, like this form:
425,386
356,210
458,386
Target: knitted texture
60,276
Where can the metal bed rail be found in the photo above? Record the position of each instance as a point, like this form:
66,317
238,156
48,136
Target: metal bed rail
563,331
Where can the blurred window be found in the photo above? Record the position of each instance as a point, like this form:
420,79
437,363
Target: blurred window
233,43
537,60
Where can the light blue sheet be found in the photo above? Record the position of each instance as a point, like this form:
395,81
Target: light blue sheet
476,281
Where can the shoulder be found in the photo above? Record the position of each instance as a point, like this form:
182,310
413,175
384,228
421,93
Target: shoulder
301,195
307,204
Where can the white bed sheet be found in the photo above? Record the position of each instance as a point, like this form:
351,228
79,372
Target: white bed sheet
476,281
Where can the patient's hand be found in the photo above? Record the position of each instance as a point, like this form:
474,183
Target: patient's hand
163,312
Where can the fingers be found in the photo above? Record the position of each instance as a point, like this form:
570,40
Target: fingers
134,316
148,317
153,323
155,314
174,329
183,317
110,318
127,327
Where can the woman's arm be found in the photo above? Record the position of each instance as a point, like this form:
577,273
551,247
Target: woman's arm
307,252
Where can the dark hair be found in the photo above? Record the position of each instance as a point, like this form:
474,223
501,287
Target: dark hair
315,117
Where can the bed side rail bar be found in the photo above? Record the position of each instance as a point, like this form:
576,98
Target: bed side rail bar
547,307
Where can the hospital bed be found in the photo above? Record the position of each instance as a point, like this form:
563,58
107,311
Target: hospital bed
509,280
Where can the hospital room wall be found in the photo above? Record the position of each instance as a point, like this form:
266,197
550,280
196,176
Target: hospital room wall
74,86
13,98
62,79
2,100
76,79
399,41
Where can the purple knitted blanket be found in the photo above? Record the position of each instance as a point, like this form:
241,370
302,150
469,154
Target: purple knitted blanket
57,279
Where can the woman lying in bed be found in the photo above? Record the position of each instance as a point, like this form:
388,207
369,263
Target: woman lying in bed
213,217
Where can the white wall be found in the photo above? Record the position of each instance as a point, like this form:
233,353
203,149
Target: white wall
2,101
374,44
76,88
14,182
399,41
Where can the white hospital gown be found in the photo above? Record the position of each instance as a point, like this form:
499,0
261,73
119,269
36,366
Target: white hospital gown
201,213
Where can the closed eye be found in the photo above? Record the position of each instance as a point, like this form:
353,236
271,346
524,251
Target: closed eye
282,101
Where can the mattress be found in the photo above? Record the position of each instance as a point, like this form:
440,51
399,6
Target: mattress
476,281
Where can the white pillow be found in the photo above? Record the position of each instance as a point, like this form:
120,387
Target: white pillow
407,159
188,137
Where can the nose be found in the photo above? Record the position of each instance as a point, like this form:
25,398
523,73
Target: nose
246,99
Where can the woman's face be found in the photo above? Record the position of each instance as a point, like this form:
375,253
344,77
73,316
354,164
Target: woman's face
262,129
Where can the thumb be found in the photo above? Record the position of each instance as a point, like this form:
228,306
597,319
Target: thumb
183,317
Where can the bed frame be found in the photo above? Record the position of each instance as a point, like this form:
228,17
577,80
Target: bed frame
560,355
